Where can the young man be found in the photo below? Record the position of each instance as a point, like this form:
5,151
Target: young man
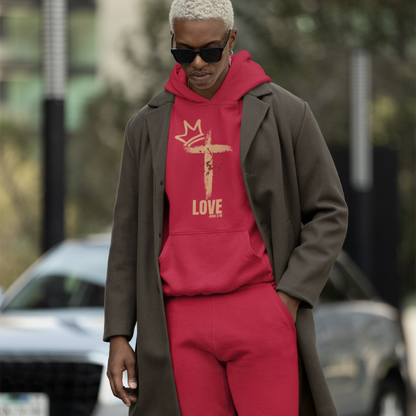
229,217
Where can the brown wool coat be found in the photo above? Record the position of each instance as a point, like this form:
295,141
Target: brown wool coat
298,204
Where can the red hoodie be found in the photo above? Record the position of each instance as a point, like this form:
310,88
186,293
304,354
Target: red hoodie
214,245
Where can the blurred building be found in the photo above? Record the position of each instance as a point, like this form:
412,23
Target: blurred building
117,23
96,34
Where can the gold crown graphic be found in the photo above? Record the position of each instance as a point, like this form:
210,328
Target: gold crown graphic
189,130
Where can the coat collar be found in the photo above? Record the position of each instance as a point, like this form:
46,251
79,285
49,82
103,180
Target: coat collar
254,111
158,122
161,99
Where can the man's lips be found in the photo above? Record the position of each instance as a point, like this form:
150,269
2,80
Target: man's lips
199,77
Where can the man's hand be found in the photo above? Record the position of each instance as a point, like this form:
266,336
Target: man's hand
291,303
122,357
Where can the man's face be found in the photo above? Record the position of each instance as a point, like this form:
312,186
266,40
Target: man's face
204,79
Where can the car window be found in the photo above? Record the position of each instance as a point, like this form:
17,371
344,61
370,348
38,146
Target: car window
341,286
334,288
72,276
354,290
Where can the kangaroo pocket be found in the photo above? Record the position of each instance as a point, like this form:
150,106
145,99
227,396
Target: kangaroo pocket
203,263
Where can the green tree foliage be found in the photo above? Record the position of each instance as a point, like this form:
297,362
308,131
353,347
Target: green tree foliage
304,45
20,199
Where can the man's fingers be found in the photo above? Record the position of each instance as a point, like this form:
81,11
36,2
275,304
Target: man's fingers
131,394
116,383
131,373
111,383
122,358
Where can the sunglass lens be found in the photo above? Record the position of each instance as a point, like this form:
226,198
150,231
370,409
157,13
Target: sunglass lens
184,56
211,55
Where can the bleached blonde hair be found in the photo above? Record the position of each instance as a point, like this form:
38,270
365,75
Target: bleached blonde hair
202,10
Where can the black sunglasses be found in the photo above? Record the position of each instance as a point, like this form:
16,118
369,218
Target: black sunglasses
186,56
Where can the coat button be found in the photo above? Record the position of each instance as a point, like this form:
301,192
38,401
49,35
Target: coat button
161,183
160,235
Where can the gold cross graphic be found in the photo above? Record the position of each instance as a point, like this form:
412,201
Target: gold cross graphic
208,149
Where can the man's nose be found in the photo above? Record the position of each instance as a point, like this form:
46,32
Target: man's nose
198,62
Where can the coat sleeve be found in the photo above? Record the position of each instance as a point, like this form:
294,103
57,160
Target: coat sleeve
324,216
120,289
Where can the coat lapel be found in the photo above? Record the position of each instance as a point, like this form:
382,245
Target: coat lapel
254,111
158,122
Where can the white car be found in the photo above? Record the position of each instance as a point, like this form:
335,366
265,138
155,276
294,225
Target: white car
52,353
51,328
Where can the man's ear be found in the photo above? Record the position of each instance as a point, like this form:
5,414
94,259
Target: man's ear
233,37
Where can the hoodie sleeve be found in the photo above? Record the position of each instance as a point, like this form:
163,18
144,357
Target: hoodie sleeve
324,216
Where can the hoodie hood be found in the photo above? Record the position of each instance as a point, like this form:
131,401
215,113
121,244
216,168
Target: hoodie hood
242,76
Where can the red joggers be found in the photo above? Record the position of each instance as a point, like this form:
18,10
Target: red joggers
234,352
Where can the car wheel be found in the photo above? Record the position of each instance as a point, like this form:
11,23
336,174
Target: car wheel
391,400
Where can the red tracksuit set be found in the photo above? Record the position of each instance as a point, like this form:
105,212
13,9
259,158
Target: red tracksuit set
232,339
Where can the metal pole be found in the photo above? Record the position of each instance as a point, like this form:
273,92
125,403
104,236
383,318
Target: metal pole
54,50
361,172
361,155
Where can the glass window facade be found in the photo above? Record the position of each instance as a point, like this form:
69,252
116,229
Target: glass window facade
21,61
82,50
21,36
